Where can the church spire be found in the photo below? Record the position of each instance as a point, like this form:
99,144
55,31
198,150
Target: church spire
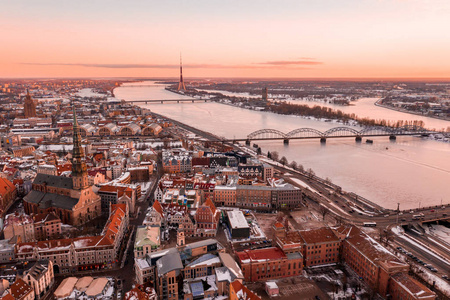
79,169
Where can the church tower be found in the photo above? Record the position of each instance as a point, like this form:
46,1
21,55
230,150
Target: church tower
29,108
180,236
79,169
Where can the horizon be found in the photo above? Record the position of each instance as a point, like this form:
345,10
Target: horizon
250,39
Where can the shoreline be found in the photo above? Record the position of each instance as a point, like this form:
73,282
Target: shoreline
407,111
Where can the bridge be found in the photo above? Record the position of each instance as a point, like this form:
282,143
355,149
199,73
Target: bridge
161,101
337,132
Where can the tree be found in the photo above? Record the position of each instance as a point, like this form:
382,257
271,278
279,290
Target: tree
269,155
323,211
293,165
274,155
258,151
283,161
310,172
300,168
327,180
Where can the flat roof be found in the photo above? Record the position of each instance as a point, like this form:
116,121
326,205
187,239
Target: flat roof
237,219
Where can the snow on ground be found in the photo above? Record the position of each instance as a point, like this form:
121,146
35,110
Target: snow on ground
441,232
304,184
418,244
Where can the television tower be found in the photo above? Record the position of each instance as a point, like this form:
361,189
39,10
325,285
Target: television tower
181,85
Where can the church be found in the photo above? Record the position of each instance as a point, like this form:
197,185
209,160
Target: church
71,199
29,107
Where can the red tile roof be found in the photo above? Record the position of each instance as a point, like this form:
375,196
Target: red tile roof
20,288
321,235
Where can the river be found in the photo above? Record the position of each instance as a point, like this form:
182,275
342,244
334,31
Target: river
411,171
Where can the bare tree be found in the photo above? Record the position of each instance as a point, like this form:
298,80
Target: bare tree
283,161
274,155
293,165
310,172
324,211
300,168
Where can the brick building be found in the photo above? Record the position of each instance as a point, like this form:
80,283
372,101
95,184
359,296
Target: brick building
269,263
320,246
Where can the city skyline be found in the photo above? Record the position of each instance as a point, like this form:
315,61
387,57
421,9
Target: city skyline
291,39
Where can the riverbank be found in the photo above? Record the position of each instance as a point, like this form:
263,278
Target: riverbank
377,103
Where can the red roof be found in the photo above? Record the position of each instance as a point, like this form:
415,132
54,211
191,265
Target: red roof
20,288
242,292
272,253
157,206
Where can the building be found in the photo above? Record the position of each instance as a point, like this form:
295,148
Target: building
378,267
7,250
207,219
320,246
20,290
237,225
40,277
176,161
46,226
29,108
71,199
269,263
85,288
238,291
20,226
148,239
225,195
404,287
8,193
82,253
254,197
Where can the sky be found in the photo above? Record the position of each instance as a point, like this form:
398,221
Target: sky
228,38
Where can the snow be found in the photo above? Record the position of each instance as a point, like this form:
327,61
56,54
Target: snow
441,232
303,184
418,244
271,285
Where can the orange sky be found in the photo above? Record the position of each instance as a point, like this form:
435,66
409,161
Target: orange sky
297,39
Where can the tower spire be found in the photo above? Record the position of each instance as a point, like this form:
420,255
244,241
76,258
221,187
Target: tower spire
181,85
79,169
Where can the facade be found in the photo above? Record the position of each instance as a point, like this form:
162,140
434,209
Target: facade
176,161
46,226
83,253
224,195
269,263
207,219
71,199
20,226
8,193
320,246
40,277
254,197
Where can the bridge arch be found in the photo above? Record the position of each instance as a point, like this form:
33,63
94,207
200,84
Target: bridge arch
341,131
375,130
304,132
266,133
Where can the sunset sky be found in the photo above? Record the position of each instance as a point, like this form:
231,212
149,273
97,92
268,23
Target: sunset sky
243,38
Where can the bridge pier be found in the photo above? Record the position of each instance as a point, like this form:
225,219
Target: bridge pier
323,140
247,142
178,101
145,102
192,101
392,137
162,102
358,139
286,141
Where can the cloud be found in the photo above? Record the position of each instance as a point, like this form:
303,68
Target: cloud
263,65
304,61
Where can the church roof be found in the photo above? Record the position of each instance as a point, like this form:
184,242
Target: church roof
46,200
54,181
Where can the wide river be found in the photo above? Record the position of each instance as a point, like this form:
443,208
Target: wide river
411,171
